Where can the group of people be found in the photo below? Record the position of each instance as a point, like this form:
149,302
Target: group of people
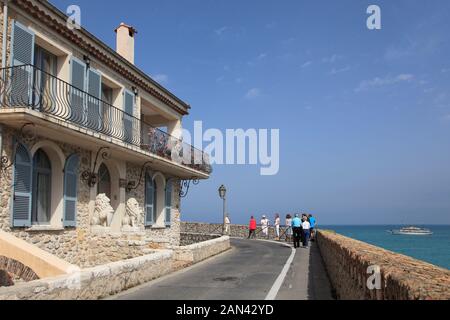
297,229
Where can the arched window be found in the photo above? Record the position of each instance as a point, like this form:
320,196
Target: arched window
104,181
42,189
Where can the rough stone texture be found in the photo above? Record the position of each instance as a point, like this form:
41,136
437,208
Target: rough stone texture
17,269
192,238
85,245
402,278
94,283
200,251
236,231
102,281
6,279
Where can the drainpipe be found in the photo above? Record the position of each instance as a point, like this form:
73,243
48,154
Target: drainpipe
5,35
5,32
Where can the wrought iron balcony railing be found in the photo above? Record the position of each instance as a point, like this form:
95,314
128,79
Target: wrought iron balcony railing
29,87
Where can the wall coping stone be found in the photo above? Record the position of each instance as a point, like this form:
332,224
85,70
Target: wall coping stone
403,277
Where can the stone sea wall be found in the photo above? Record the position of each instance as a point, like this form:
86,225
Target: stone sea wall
236,231
351,264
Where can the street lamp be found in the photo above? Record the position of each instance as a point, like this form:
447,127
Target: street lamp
222,194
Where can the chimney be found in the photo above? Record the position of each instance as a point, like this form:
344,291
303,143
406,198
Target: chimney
125,41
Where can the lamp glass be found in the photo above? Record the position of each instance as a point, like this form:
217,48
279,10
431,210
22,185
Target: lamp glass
222,191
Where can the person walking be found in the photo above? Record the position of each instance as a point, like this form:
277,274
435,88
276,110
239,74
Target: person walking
227,224
252,228
306,226
265,226
288,231
277,227
313,223
296,228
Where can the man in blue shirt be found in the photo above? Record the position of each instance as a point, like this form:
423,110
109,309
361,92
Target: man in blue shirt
297,230
312,222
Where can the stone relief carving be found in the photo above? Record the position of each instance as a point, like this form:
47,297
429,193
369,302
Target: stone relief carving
103,212
133,214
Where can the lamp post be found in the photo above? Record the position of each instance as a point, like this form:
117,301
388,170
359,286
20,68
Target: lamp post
222,194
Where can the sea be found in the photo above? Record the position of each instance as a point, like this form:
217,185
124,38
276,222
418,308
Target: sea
434,249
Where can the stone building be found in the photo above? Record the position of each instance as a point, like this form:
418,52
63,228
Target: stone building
93,162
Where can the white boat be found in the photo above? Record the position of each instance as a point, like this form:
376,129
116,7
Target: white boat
412,231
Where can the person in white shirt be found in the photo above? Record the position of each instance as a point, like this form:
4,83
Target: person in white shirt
265,226
288,228
306,226
227,225
277,227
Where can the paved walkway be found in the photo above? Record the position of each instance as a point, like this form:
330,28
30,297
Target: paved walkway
247,272
307,278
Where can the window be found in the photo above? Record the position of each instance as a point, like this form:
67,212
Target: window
44,79
42,182
128,116
107,109
107,94
104,181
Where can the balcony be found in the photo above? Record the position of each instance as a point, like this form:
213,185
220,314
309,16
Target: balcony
31,88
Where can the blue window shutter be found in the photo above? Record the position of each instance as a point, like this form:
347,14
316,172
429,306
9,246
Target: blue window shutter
168,217
23,173
71,190
78,96
22,54
94,85
128,104
22,43
149,201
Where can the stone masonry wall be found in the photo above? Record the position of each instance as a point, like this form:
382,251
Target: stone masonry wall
82,245
192,238
237,231
402,278
94,283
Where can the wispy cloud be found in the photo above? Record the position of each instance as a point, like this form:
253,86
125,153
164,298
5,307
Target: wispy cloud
288,41
161,78
253,93
331,59
422,46
386,81
307,64
257,60
445,70
335,71
442,100
221,30
262,56
395,52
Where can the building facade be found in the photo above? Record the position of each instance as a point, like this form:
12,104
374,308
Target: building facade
93,160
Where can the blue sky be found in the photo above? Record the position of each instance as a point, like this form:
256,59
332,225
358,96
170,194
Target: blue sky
364,116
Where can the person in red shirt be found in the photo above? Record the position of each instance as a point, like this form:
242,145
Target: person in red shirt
252,228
